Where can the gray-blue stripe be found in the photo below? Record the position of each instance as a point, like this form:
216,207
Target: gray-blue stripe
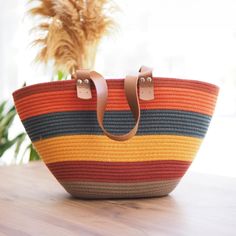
118,122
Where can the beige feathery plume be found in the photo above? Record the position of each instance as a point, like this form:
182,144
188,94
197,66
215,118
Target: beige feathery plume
72,31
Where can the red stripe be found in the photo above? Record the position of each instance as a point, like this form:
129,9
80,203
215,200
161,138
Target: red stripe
115,84
118,172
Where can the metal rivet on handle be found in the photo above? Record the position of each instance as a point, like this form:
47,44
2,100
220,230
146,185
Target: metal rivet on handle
86,81
79,81
142,79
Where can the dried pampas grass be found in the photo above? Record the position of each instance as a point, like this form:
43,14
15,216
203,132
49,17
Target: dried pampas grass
72,31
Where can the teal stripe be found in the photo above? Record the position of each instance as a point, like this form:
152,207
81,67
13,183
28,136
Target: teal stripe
118,122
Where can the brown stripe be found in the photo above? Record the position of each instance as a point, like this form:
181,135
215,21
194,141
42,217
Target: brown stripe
119,190
118,172
118,165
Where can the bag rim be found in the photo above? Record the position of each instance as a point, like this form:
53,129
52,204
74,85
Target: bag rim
119,81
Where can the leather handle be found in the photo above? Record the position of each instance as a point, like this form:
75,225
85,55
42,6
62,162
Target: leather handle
145,71
131,91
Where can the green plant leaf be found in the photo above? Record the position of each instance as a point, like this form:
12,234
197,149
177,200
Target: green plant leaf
20,140
6,119
6,122
60,75
9,143
33,154
2,106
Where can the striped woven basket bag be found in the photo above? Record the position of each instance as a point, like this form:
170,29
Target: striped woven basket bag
140,147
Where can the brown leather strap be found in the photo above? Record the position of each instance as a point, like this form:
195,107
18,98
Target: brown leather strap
145,71
146,84
131,91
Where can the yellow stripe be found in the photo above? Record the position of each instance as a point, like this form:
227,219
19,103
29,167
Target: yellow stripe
101,148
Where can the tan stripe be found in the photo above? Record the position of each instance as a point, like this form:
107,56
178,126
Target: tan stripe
96,190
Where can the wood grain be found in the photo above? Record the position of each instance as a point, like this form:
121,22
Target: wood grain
33,203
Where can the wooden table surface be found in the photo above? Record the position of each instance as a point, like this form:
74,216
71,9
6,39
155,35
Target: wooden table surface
33,203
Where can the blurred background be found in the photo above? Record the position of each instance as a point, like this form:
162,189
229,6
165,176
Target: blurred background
182,39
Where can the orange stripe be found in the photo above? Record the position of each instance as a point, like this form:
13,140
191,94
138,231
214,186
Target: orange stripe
166,98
